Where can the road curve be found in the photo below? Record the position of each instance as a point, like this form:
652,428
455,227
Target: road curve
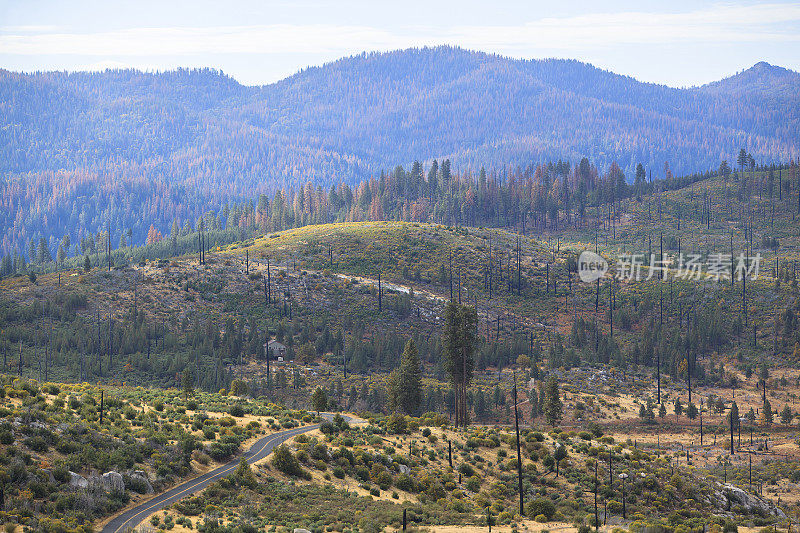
262,448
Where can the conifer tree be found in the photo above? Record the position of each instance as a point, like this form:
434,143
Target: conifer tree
678,408
458,345
409,385
187,382
44,252
319,400
766,413
733,419
553,408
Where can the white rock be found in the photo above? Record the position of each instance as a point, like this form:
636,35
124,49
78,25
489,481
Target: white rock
77,481
95,482
112,482
728,496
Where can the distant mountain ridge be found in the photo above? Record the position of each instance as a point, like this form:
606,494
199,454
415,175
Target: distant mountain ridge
200,135
349,119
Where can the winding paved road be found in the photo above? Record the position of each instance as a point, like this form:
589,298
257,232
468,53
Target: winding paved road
262,448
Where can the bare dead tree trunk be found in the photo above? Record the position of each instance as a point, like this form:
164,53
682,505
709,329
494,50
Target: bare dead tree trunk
519,455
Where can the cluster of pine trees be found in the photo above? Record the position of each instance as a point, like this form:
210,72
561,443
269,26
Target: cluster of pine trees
536,198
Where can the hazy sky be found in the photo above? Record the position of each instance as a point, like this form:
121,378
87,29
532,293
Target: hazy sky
679,42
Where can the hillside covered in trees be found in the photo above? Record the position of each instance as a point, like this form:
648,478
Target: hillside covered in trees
124,150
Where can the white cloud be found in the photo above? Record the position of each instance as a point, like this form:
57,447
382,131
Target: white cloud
720,23
28,28
272,39
716,24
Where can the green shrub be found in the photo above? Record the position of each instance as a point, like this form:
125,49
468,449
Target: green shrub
405,482
730,526
37,444
285,461
61,474
224,447
6,437
541,506
340,422
466,469
362,473
190,506
226,422
396,423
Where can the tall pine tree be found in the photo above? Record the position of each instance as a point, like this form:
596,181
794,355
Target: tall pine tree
458,345
409,383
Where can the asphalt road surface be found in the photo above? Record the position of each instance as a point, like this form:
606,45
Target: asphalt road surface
132,517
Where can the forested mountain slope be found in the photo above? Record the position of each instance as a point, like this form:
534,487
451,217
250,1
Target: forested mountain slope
128,149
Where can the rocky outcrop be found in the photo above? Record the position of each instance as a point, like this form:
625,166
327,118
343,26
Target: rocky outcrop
138,482
77,481
727,498
112,482
95,482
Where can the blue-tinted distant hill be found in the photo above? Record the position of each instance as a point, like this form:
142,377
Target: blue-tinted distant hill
350,118
176,143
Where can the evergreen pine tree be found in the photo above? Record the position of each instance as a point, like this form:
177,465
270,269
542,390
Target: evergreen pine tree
458,343
409,386
319,400
553,408
766,413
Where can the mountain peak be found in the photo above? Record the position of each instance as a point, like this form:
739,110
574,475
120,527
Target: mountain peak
763,65
762,77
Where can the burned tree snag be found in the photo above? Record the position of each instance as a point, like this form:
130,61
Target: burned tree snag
519,455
